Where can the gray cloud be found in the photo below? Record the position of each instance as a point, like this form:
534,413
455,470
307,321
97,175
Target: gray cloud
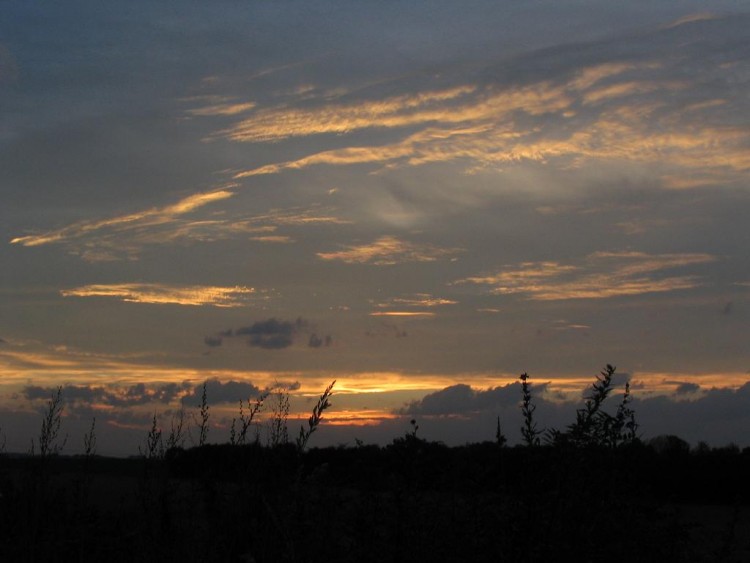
213,341
387,329
218,391
271,334
462,399
687,388
717,416
316,341
132,395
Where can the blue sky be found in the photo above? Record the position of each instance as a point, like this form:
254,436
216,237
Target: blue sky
404,197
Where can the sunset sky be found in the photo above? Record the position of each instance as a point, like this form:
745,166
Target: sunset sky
420,200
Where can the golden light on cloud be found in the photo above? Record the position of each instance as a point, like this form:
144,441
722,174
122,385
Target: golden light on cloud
388,250
619,111
165,294
623,89
362,417
587,77
223,109
299,217
277,239
690,18
193,202
533,271
149,217
125,236
602,275
132,383
417,300
399,111
402,314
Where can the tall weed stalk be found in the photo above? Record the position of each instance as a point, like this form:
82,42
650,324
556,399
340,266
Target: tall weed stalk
315,417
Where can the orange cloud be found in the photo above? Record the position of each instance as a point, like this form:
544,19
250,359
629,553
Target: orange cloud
165,294
417,300
618,111
398,111
602,275
402,314
690,18
125,236
388,250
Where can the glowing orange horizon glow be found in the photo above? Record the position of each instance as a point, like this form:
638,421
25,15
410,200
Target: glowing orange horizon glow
48,371
365,417
389,390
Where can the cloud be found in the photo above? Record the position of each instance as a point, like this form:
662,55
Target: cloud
622,136
271,334
114,396
387,251
316,341
722,411
462,399
124,237
218,105
227,297
402,314
386,329
148,218
416,300
686,388
691,18
213,341
598,102
298,217
398,111
279,239
221,392
601,275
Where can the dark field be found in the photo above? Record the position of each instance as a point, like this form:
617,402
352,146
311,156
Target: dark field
410,501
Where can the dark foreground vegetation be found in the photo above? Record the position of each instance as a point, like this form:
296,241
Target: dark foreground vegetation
591,492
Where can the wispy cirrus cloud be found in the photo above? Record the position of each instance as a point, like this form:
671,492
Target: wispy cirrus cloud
275,124
642,109
388,250
162,294
628,133
278,239
150,217
601,275
218,105
416,300
415,305
402,314
690,18
124,237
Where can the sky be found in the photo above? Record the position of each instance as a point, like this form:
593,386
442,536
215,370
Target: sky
419,200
